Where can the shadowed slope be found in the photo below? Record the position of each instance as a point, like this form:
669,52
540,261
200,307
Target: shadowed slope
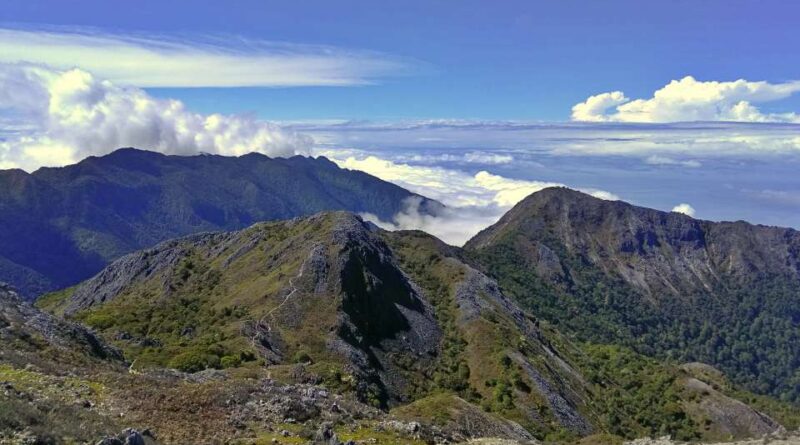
61,225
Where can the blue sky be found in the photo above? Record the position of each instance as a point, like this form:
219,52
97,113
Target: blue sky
681,105
476,59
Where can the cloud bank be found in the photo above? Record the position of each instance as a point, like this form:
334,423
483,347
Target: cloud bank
683,145
71,114
169,61
473,201
688,100
453,225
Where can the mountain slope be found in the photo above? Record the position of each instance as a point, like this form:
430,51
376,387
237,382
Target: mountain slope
30,336
397,319
44,394
59,226
662,283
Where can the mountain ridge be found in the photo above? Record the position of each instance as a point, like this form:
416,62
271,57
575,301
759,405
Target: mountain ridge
660,282
61,225
399,319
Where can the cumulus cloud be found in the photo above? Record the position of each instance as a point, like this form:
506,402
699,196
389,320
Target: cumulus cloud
170,61
684,208
473,201
688,99
73,114
594,108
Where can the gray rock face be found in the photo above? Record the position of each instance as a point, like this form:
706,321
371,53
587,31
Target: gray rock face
478,295
384,314
19,319
326,436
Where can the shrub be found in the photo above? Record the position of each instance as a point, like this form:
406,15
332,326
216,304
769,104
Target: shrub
230,361
302,357
194,361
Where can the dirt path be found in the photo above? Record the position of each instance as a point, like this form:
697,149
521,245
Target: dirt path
271,313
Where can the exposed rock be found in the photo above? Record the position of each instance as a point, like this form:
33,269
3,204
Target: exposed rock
21,320
730,417
128,436
326,436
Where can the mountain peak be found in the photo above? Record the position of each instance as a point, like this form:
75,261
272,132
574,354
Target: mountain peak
564,195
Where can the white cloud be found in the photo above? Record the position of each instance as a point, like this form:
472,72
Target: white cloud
191,62
664,160
473,201
74,115
594,108
472,157
452,187
453,225
688,100
684,208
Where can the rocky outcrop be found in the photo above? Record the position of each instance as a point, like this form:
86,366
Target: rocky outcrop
133,268
130,436
19,320
729,417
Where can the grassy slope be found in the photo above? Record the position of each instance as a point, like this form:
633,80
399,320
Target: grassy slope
200,322
475,363
624,394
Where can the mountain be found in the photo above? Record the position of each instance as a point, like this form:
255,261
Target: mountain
664,284
59,226
399,324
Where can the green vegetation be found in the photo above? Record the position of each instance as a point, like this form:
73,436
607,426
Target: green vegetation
498,384
474,362
190,330
239,302
637,396
749,331
437,408
55,302
436,277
